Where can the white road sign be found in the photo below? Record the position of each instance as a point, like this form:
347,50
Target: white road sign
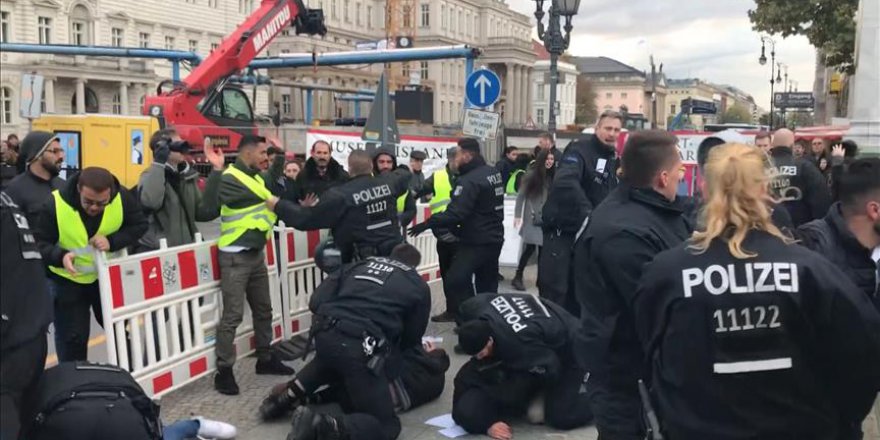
480,124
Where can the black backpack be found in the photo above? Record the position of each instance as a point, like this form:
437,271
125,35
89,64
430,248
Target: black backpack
86,401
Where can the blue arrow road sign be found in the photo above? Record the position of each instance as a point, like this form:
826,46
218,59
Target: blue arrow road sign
483,88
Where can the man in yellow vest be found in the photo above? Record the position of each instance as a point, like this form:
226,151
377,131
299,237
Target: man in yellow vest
93,212
245,225
439,186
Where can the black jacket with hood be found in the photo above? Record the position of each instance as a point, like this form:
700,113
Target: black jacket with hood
29,191
409,207
310,181
800,185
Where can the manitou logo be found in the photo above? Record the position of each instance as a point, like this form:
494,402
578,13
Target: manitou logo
265,35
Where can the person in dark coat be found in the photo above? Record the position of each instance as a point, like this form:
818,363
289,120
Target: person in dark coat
416,162
384,162
33,188
798,183
506,164
320,173
638,220
747,334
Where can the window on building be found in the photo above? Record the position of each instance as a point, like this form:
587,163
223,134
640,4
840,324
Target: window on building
345,9
214,46
193,46
442,111
358,17
333,13
5,105
539,91
285,104
407,17
608,95
169,43
444,78
423,66
4,27
91,101
623,95
245,6
143,39
212,4
442,17
369,17
117,104
44,30
672,109
540,115
453,26
461,27
117,37
43,105
426,16
80,26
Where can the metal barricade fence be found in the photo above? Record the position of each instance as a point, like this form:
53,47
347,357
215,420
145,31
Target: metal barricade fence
161,309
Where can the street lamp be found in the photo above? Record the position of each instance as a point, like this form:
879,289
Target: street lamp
765,40
555,42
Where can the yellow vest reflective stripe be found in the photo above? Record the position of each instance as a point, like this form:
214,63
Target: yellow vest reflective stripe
442,191
511,181
401,203
72,236
234,222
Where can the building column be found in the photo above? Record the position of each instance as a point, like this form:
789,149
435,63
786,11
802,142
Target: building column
530,113
123,98
517,94
80,96
508,95
524,90
864,114
49,90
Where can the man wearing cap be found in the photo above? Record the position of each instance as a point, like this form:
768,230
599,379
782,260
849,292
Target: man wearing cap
477,208
92,212
31,189
523,362
416,162
169,192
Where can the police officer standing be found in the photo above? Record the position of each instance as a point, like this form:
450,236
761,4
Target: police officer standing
748,335
477,207
523,348
366,314
639,219
26,312
439,186
586,174
361,213
798,183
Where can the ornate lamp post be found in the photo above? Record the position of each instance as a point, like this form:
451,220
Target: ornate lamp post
555,42
765,40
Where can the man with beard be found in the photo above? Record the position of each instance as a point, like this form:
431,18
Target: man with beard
384,161
320,173
31,190
849,236
586,174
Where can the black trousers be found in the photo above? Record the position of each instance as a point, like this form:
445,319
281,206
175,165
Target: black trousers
340,359
474,267
527,252
554,266
445,254
617,406
73,302
20,372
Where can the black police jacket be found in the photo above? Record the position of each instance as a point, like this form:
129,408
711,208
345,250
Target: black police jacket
25,305
532,335
769,347
800,186
831,238
626,231
587,173
476,205
31,193
361,212
385,297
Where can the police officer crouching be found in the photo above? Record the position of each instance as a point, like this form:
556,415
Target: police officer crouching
361,213
366,314
748,335
523,351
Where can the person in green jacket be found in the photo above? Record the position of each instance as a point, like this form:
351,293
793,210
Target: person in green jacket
169,193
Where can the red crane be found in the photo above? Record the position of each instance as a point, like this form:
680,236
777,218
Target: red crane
203,104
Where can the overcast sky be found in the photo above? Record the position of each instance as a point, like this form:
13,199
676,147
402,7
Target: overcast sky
709,39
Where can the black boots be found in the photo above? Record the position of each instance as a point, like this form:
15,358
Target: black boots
443,317
274,366
276,405
517,282
309,425
224,381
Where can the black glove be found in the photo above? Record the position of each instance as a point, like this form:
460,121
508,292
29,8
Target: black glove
418,229
161,153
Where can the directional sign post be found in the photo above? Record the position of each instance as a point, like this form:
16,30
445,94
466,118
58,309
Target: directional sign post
483,88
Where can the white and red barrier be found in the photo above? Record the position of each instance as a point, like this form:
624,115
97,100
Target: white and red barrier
161,309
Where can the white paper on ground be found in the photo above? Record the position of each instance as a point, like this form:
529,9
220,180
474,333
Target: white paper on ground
444,421
432,339
453,432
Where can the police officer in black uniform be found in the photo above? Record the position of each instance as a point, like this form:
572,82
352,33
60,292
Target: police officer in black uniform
366,314
586,174
523,348
477,208
639,219
748,335
798,183
360,213
25,315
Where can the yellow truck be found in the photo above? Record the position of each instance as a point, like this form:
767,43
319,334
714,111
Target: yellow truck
117,143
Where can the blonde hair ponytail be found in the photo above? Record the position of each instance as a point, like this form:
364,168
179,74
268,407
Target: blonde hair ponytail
736,200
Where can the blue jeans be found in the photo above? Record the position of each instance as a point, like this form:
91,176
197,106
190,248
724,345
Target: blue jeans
72,302
181,430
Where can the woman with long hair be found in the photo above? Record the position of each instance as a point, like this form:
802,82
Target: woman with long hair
749,335
529,205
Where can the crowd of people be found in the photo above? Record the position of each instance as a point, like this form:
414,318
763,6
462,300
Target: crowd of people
748,310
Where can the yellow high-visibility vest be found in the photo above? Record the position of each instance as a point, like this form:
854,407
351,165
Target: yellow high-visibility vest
442,191
511,181
234,222
72,237
401,203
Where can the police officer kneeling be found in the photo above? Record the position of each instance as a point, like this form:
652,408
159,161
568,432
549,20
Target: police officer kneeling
366,313
522,348
748,335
